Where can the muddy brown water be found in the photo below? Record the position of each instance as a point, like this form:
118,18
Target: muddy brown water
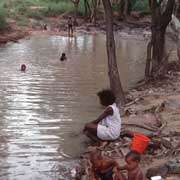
42,110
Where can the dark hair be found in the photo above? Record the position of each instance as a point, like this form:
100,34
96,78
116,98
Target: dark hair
63,54
134,155
107,97
23,67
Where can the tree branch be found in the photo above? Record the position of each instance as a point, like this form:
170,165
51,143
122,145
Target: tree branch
160,1
166,16
169,8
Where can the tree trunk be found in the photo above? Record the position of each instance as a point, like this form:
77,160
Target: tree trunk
175,29
160,21
76,4
122,8
96,4
158,41
87,9
148,60
129,7
115,83
75,13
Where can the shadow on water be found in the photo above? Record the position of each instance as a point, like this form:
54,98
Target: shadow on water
43,110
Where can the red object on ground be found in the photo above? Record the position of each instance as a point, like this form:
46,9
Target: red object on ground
140,143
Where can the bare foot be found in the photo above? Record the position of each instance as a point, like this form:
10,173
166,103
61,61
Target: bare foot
102,145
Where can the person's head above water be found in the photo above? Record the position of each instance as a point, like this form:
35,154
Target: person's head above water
106,97
23,67
63,57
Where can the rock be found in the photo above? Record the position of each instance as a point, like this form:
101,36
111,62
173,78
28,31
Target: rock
73,172
150,91
173,166
172,178
157,171
173,104
85,177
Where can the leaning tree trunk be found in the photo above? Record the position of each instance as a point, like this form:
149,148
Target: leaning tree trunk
160,21
174,28
115,82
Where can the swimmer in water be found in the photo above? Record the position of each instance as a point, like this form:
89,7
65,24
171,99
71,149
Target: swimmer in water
63,57
23,67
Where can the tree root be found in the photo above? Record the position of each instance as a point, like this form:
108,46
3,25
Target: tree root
140,126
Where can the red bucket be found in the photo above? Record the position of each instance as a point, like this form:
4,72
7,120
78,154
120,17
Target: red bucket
140,143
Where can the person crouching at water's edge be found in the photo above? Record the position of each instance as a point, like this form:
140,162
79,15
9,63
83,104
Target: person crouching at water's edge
107,126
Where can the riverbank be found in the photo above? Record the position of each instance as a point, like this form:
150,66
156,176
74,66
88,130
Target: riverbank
58,26
12,35
153,110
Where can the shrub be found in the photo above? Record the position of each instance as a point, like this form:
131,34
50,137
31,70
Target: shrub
3,23
141,5
22,21
35,15
55,9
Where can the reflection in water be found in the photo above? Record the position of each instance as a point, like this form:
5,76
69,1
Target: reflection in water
43,110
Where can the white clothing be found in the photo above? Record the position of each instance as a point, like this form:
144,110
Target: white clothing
109,128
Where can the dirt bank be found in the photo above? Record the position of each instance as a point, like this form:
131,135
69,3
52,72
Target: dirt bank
153,110
13,35
58,26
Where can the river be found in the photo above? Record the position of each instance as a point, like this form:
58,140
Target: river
42,110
